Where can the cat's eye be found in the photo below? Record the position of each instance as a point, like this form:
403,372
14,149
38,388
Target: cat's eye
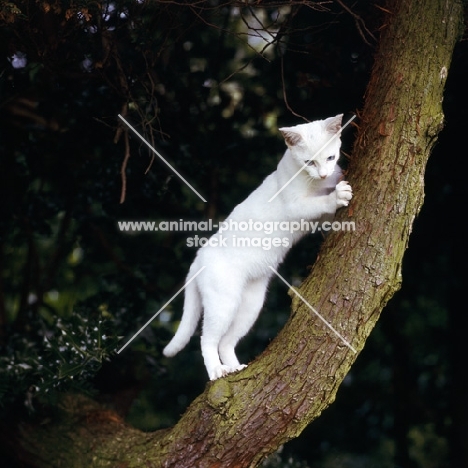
331,158
309,162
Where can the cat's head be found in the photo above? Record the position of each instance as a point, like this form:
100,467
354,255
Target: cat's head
315,145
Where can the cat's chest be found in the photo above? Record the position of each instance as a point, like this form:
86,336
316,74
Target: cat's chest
302,196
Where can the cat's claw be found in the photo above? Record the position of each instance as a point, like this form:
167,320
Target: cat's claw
344,193
222,371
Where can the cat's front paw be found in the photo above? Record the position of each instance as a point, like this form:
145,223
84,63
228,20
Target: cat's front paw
222,370
344,193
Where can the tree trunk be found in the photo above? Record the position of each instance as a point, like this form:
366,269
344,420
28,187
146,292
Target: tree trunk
240,419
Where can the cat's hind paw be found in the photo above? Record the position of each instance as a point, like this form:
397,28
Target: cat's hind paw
344,193
222,370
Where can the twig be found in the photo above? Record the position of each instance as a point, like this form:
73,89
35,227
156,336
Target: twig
360,24
285,98
123,168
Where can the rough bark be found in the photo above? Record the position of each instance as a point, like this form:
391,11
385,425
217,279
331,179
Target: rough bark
240,419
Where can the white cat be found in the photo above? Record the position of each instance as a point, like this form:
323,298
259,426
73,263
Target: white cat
231,288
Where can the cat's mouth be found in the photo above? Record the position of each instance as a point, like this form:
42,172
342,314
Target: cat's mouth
315,176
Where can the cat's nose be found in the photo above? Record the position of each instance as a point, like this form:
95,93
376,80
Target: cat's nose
323,176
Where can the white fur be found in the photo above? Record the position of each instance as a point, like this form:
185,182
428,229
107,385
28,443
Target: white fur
231,289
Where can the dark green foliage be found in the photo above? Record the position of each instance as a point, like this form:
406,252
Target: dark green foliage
56,356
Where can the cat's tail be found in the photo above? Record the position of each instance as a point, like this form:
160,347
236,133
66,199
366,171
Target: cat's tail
188,324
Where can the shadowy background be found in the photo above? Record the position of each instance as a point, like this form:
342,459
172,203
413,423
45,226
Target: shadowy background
208,85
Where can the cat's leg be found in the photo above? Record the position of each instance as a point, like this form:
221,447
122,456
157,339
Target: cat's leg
220,302
215,325
253,297
344,194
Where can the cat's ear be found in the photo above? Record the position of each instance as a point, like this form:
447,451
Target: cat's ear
333,124
291,137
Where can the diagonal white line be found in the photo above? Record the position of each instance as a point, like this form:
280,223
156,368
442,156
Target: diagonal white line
162,159
160,310
336,135
313,310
